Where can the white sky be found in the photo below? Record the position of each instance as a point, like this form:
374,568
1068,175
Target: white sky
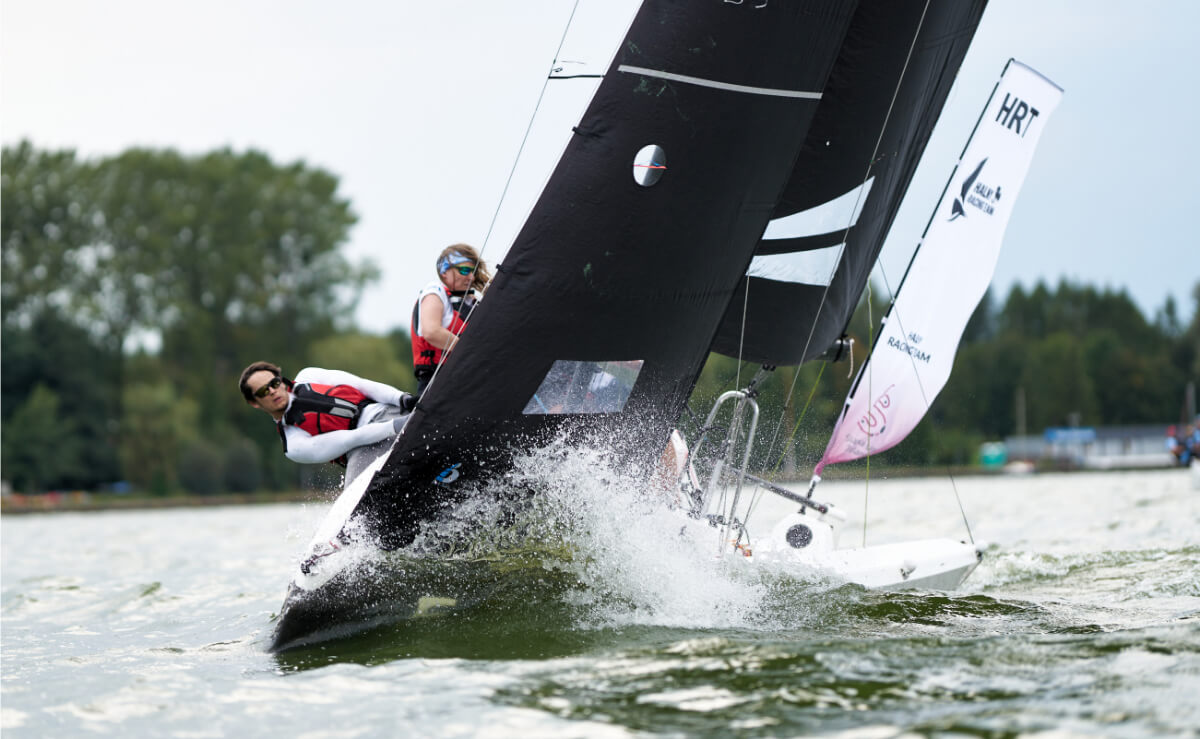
420,106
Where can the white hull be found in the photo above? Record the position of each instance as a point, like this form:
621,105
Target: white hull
810,543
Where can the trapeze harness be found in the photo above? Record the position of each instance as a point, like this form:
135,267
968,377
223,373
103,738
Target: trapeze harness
321,408
426,356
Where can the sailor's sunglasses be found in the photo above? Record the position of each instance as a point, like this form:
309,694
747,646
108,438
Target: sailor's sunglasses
464,270
262,391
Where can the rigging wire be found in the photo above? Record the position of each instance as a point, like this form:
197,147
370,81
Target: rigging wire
512,171
742,331
928,404
870,394
804,412
788,445
893,313
528,128
739,408
866,367
846,232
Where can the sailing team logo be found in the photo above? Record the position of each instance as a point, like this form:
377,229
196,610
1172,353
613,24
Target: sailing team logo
910,345
1016,115
976,194
448,475
874,421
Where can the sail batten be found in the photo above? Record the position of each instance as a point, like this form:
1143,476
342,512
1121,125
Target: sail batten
718,85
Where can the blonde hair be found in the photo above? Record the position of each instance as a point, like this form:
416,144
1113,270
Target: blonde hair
481,277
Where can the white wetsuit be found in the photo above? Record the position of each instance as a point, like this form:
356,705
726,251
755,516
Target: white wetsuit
374,423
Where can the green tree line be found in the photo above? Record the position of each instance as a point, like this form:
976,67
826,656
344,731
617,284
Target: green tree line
135,287
1071,355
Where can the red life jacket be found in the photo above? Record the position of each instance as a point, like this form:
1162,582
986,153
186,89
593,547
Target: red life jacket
320,408
425,355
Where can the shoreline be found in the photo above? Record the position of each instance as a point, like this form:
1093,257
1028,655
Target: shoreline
80,501
84,502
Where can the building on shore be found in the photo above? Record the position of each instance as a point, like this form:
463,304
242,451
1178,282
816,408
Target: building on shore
1103,447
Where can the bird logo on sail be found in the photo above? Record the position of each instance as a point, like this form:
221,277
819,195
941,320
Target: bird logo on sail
977,194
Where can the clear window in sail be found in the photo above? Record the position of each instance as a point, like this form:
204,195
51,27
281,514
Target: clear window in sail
584,387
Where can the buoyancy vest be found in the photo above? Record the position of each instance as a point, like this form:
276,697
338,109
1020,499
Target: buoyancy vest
321,408
426,356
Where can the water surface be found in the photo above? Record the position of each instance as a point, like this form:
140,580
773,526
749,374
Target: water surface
1083,620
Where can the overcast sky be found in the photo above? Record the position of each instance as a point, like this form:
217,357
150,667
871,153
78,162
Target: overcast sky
420,107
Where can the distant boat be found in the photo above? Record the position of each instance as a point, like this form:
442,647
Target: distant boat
728,188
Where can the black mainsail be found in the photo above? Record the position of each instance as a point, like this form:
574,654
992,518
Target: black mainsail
621,279
714,117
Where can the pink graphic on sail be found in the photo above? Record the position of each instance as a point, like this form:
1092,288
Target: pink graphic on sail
869,425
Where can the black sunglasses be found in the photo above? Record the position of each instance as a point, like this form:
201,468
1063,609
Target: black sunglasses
262,391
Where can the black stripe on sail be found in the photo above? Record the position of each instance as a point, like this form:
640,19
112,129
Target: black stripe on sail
802,243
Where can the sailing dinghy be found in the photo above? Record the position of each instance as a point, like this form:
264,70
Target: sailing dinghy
725,145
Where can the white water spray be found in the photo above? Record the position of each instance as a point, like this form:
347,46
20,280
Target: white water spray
639,561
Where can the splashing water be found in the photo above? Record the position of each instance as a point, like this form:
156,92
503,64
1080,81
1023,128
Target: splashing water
634,559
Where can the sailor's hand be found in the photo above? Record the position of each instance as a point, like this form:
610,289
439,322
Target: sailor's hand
407,402
398,424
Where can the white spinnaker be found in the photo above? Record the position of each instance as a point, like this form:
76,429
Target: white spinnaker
950,272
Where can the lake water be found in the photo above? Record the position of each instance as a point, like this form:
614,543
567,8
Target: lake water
1083,620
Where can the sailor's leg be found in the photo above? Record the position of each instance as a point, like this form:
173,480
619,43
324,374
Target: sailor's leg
359,458
423,375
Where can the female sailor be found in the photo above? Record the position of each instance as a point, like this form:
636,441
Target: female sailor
442,307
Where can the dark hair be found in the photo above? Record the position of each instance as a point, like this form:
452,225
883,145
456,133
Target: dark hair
244,382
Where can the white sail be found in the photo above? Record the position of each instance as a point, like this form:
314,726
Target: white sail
950,272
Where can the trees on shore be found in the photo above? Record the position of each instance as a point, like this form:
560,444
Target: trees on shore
1071,355
135,288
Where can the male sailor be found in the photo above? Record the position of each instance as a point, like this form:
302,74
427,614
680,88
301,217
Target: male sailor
328,415
442,307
